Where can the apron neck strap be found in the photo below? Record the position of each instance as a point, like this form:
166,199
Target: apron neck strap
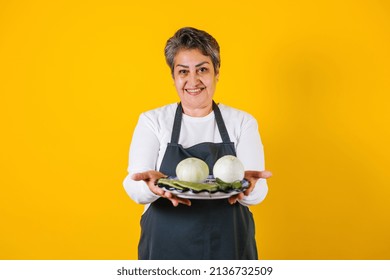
177,124
218,117
221,124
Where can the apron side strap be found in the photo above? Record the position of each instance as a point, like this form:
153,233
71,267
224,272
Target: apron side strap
177,124
221,124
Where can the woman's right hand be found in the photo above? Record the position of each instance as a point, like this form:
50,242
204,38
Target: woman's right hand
150,178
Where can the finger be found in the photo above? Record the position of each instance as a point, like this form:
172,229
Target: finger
183,200
247,191
258,174
250,188
140,176
233,199
168,195
147,175
176,200
266,174
240,196
157,190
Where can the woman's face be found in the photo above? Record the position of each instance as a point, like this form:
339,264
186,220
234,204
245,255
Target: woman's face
195,78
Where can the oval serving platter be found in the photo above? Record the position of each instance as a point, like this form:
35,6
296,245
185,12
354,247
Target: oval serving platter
211,188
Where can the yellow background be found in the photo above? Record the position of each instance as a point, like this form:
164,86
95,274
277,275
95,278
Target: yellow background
75,75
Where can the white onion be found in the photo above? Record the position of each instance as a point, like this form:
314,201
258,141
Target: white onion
192,170
229,169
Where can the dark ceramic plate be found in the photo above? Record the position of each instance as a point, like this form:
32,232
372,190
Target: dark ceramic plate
209,189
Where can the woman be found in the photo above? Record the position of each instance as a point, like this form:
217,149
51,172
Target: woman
174,227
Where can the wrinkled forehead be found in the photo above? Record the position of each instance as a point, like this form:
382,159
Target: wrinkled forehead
191,57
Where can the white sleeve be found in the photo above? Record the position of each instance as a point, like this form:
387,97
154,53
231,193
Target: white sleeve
142,157
250,151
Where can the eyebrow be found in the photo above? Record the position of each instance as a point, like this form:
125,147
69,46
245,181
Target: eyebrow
197,65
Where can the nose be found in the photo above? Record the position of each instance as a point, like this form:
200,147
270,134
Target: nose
193,79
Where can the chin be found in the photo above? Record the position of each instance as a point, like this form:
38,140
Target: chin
197,100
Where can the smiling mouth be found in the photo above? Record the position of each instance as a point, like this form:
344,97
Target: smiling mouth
194,91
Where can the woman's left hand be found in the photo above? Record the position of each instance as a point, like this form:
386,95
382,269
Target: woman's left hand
251,176
150,178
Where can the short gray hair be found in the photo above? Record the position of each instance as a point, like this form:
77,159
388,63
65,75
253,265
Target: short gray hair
189,38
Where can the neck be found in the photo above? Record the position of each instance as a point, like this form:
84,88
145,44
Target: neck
197,112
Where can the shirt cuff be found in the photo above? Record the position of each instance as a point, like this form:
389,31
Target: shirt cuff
139,191
257,195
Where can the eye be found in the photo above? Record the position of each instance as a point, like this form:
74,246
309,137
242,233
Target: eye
203,69
183,71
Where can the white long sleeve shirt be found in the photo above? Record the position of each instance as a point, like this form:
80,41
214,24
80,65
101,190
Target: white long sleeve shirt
153,133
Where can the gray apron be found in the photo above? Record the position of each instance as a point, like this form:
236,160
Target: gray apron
206,230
